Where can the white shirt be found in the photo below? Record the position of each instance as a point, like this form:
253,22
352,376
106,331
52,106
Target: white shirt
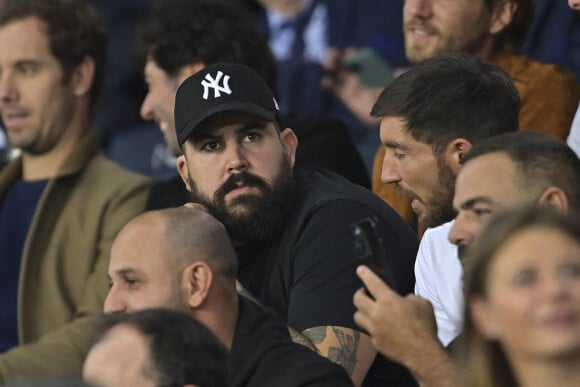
439,279
574,136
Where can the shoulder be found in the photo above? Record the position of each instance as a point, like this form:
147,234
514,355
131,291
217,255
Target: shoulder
526,70
317,189
435,247
101,169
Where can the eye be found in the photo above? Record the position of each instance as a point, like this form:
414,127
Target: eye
211,146
570,270
398,155
252,137
481,212
524,277
129,282
27,68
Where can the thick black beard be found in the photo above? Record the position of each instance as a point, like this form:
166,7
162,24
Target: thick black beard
252,218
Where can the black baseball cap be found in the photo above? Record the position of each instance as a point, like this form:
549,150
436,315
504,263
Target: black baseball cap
221,87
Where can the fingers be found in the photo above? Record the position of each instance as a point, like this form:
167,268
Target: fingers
376,287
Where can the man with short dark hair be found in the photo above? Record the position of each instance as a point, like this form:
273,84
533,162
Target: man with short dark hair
290,227
510,170
61,202
156,347
431,116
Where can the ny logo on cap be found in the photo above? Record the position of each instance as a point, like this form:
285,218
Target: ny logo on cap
214,83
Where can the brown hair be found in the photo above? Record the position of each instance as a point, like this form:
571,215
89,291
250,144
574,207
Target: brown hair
74,31
483,363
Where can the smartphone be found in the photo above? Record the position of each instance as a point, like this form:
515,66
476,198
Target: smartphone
368,249
372,69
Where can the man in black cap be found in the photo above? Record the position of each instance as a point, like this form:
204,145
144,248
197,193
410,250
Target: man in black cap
290,228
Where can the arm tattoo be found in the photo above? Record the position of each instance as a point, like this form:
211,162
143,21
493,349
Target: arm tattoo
316,335
346,354
299,338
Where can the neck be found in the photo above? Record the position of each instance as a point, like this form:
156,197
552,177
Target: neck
486,50
46,165
221,317
553,372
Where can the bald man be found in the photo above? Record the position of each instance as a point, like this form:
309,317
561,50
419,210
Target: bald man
181,258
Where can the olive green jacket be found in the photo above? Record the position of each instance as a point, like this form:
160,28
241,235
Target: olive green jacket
63,281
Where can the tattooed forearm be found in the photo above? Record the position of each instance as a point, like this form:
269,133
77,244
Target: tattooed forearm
315,335
299,338
338,344
345,354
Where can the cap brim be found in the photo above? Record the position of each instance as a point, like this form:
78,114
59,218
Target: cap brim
190,127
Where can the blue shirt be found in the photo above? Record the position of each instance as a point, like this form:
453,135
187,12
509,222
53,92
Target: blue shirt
16,214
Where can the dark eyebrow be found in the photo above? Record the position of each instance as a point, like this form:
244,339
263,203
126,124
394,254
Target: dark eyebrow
395,145
469,204
125,271
252,125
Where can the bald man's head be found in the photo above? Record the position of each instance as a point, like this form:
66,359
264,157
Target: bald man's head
192,234
152,253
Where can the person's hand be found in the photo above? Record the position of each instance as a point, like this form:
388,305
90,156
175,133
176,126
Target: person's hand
400,327
348,87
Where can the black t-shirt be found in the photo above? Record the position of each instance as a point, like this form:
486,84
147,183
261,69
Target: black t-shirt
263,354
307,274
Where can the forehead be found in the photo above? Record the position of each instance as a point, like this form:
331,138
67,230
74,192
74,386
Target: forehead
493,176
139,247
152,70
24,38
394,133
536,246
230,122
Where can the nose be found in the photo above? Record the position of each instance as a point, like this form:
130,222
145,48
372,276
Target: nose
418,8
8,91
462,232
146,112
390,172
554,287
114,303
575,4
236,158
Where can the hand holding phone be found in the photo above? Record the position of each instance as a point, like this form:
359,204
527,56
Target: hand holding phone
368,249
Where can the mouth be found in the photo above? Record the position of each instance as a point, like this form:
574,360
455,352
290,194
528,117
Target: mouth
561,320
14,118
241,189
420,31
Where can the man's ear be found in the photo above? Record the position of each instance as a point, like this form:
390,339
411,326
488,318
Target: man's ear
455,152
188,70
484,320
198,279
555,198
83,77
181,164
502,14
289,143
